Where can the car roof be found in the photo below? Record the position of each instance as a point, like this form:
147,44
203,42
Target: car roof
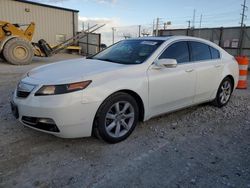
178,37
165,38
181,37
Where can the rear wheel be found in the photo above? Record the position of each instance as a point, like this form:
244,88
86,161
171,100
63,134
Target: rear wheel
18,52
116,118
224,93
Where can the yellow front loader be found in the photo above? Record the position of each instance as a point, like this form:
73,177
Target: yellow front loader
15,43
17,48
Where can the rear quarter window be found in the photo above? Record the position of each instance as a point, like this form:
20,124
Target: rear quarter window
214,53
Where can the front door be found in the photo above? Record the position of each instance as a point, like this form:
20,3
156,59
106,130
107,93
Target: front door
172,88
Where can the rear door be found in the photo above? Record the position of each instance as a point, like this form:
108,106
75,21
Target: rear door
208,67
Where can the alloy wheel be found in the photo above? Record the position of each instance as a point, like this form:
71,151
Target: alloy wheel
119,119
225,93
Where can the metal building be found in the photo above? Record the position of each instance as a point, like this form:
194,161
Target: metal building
54,24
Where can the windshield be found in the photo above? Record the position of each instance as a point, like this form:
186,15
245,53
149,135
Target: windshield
129,51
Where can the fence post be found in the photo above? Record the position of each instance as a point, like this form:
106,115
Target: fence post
221,34
242,33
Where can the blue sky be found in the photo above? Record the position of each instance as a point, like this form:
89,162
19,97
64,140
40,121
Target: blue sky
125,15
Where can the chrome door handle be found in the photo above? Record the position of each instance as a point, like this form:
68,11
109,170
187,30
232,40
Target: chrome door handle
189,70
217,66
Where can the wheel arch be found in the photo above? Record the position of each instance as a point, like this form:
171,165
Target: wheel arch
99,131
217,102
137,98
231,78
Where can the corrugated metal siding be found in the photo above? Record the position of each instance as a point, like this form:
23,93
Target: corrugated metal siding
227,34
49,21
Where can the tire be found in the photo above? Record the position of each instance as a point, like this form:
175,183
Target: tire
116,118
18,51
224,93
2,57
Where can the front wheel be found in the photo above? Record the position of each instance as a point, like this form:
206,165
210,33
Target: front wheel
2,57
116,118
18,51
224,93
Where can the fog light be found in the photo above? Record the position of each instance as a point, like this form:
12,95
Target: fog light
46,120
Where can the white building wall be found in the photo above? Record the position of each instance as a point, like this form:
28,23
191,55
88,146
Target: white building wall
49,21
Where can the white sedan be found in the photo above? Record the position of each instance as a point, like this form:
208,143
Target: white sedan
133,80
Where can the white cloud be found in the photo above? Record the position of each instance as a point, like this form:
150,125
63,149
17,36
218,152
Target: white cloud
106,1
60,1
106,31
50,1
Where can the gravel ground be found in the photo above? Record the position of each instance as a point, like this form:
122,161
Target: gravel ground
202,146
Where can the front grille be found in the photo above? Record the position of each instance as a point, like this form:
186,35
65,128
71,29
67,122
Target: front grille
34,122
22,94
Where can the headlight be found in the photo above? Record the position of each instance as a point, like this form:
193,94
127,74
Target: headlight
25,87
61,89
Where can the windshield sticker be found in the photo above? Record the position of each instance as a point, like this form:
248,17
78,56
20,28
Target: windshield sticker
152,43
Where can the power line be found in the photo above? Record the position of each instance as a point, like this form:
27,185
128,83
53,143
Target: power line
222,13
205,18
217,19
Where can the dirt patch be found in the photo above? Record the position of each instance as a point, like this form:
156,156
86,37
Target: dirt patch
202,146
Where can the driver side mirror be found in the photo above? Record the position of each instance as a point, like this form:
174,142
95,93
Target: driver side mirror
165,63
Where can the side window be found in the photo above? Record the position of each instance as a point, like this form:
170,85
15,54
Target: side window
199,51
214,53
178,51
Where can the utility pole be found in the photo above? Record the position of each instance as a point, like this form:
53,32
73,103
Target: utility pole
153,28
200,26
157,26
242,25
200,20
83,26
113,35
189,24
165,26
139,34
243,16
194,18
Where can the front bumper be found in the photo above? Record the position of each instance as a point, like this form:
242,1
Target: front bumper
72,117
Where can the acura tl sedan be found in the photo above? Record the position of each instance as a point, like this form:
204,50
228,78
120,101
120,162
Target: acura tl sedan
133,80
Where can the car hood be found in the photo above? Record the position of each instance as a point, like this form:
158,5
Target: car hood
71,70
